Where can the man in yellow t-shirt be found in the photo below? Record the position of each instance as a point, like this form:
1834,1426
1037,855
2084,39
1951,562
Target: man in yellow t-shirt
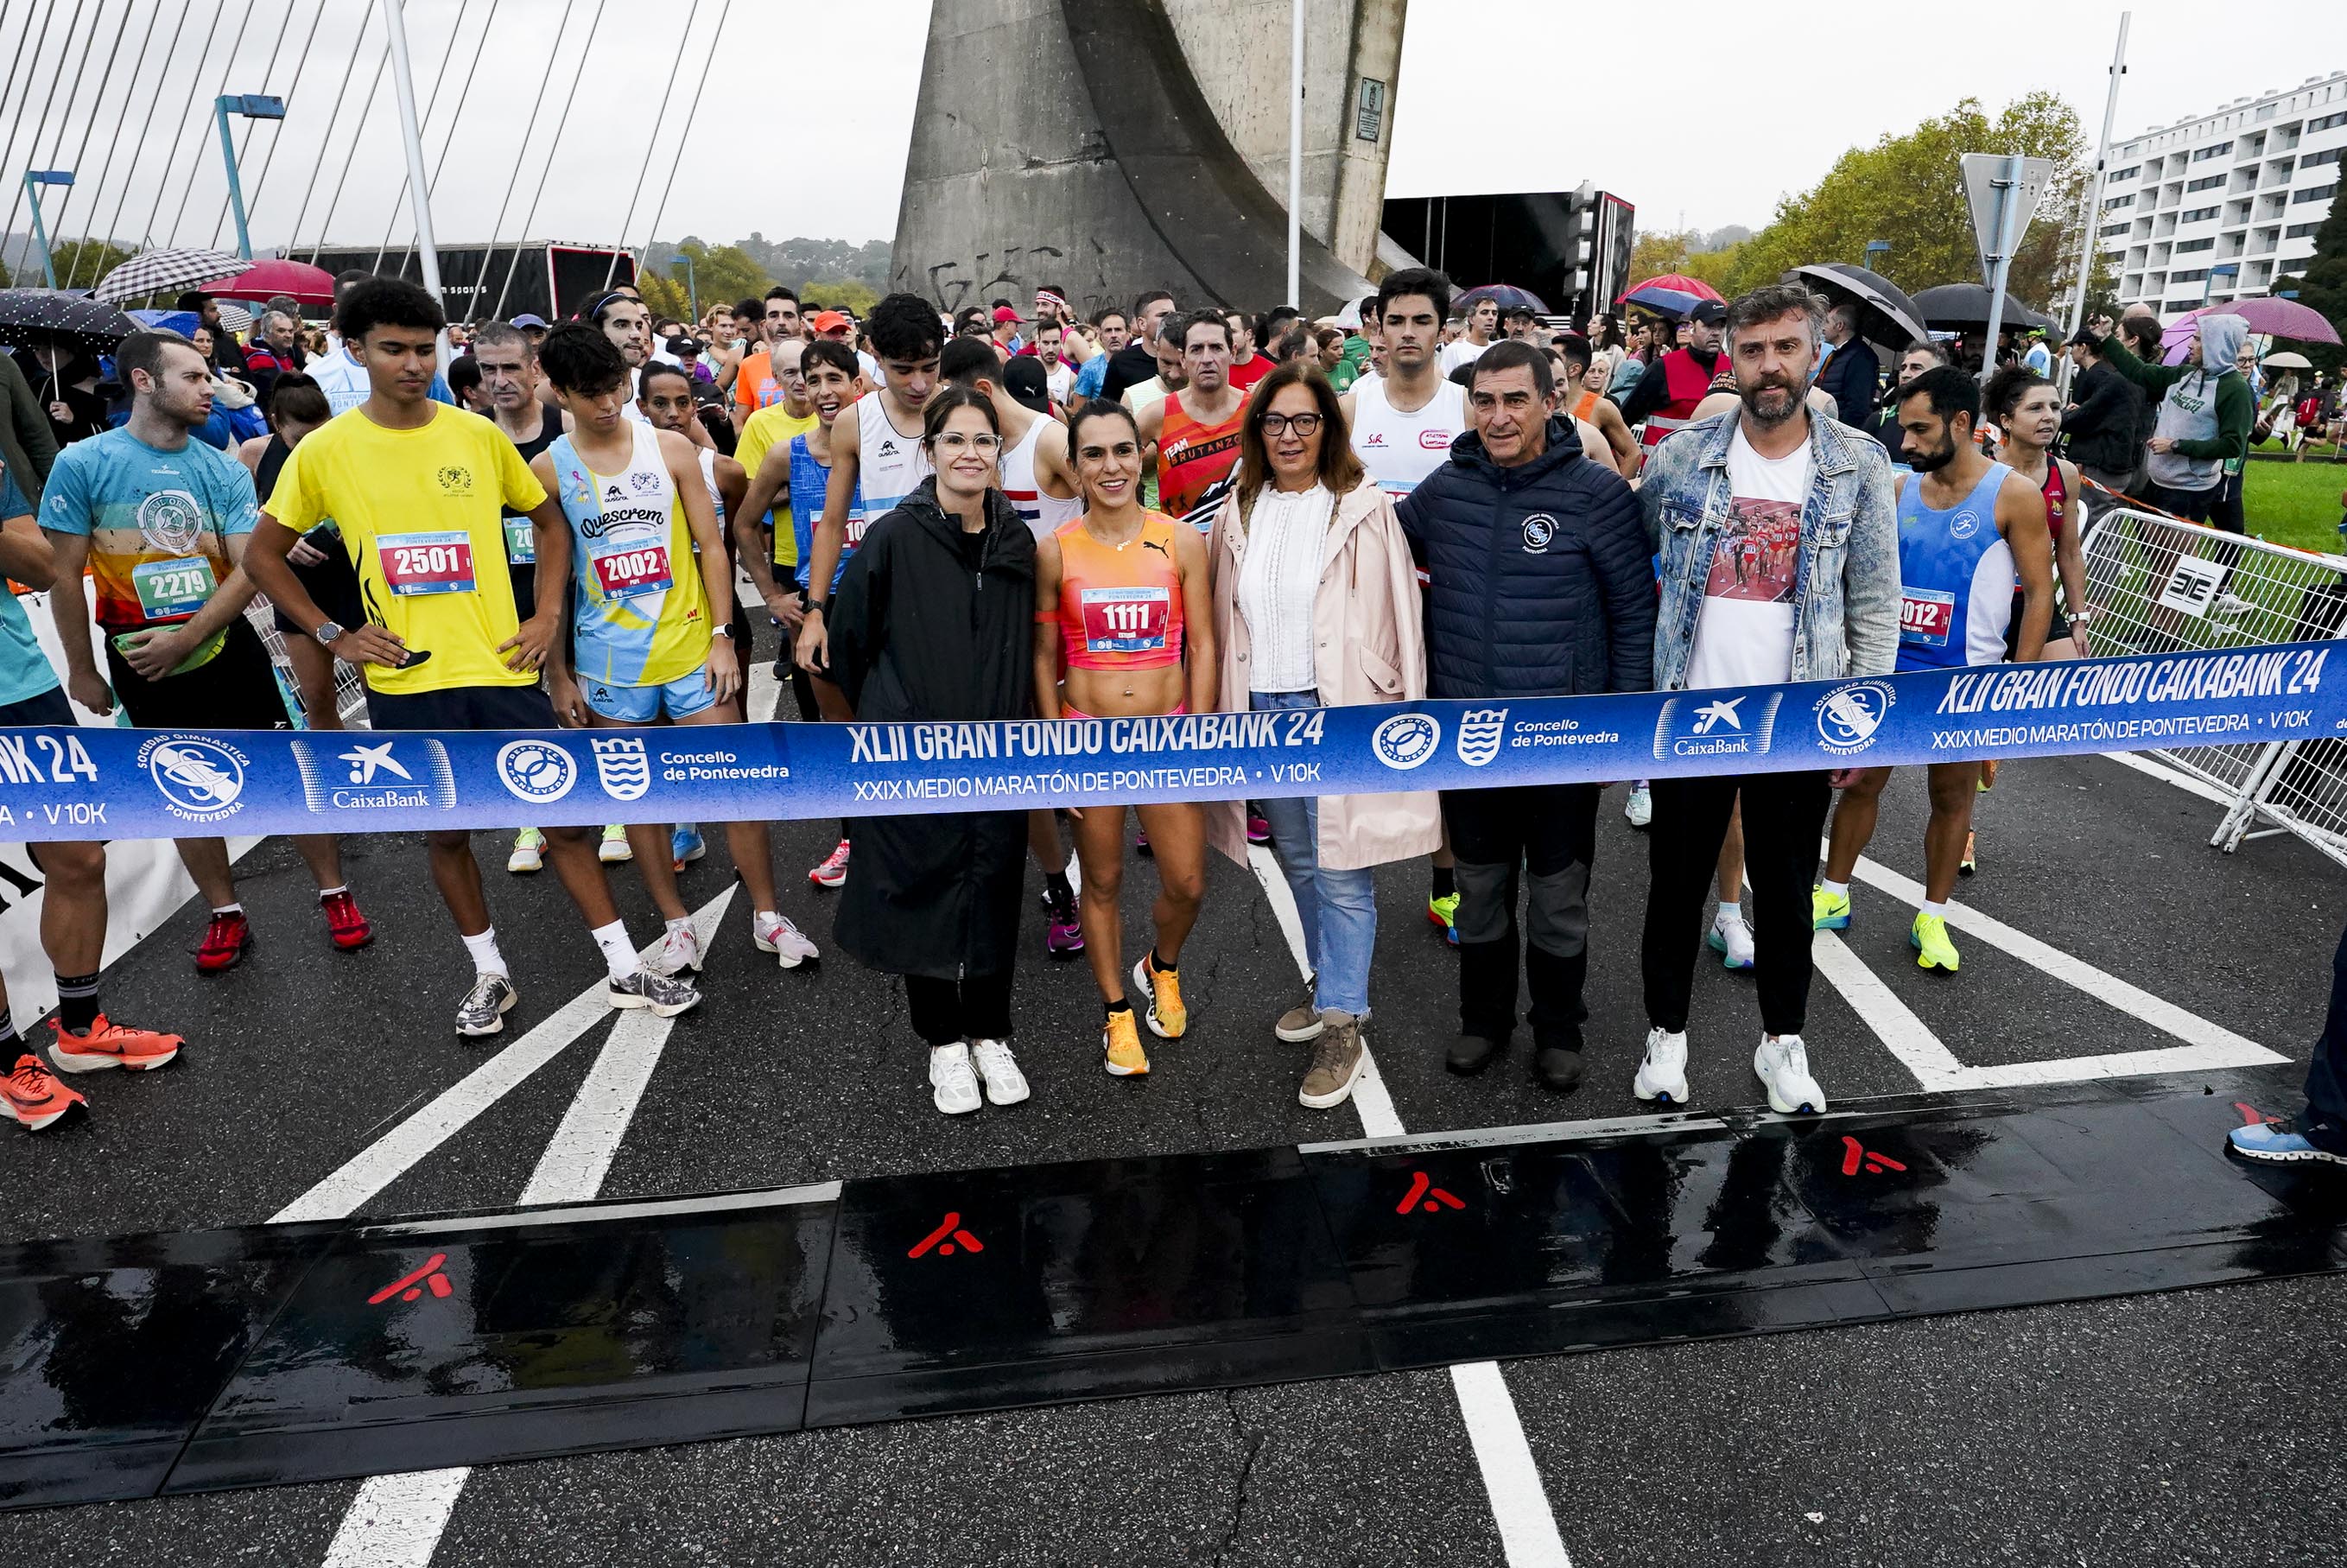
414,489
793,414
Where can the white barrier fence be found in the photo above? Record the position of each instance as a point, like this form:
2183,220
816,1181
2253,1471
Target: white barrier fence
2161,586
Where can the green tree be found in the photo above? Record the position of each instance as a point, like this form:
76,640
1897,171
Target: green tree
1655,253
850,294
722,273
80,263
2322,286
1909,190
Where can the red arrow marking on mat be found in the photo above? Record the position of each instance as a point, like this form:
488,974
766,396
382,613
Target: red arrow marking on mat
410,1287
952,1226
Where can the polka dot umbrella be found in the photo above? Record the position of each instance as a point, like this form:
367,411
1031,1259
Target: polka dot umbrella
42,315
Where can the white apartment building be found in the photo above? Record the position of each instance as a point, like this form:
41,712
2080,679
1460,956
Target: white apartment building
2216,208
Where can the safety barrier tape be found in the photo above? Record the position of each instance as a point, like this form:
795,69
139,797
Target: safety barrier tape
68,784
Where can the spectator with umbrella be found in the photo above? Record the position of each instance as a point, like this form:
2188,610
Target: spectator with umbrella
1482,319
66,380
2099,426
2203,419
28,446
1850,376
1666,396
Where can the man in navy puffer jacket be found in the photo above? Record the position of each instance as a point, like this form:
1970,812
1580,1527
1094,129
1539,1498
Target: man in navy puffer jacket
1539,584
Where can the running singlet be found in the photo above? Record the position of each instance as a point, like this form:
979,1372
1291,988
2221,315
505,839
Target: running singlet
809,479
1400,449
2057,499
640,615
1193,460
1956,576
1120,609
521,543
1042,514
890,465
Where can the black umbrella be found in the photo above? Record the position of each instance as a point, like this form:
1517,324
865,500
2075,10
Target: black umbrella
1886,315
1967,305
37,315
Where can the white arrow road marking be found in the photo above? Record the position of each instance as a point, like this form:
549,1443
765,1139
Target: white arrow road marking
397,1521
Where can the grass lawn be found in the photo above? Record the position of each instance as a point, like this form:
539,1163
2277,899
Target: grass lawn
2296,502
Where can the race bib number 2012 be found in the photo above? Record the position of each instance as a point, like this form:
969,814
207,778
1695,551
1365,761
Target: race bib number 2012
1926,617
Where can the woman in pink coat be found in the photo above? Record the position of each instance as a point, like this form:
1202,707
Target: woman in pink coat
1317,604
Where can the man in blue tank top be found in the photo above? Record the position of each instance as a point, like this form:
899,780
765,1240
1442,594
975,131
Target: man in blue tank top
1967,528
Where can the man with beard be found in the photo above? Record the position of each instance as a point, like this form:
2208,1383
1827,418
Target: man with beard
1808,490
1666,396
1956,577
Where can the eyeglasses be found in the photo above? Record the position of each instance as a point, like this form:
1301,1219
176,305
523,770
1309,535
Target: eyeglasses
955,441
1277,424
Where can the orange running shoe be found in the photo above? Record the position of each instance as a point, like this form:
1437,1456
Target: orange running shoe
35,1098
111,1045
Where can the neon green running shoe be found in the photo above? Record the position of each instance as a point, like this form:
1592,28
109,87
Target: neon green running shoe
1829,911
1443,912
1928,938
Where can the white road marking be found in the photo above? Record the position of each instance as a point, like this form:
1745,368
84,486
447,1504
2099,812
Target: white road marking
580,1155
1903,1034
2165,775
388,1158
1512,1479
397,1521
2212,1045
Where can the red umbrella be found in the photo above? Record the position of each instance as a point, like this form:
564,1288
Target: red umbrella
265,280
1676,282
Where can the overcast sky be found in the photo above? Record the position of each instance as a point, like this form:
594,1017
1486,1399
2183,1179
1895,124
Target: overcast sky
1494,95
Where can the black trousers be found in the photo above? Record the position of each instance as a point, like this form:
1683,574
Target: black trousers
1547,834
2193,505
1784,816
976,1007
2325,1123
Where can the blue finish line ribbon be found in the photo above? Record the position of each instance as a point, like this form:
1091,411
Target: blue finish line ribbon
79,783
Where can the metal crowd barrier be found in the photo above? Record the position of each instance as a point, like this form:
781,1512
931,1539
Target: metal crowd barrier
2159,585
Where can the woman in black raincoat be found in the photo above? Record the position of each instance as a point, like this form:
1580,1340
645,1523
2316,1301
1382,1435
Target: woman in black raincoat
933,620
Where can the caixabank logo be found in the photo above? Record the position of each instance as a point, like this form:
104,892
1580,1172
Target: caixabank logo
1715,724
377,773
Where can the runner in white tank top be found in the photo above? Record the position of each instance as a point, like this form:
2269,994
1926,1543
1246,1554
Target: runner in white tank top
1400,449
1043,511
891,464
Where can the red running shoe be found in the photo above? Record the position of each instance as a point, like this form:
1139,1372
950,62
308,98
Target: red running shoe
226,941
31,1095
345,923
109,1044
1258,827
833,872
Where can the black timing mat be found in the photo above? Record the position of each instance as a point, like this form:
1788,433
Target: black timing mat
137,1366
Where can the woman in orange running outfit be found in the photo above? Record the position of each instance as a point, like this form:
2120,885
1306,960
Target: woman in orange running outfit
1123,604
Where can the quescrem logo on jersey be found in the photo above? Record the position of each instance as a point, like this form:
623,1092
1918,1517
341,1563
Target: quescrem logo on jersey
1848,716
622,766
1406,740
1481,732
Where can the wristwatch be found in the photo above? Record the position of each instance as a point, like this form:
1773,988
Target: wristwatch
817,606
327,632
725,630
2083,615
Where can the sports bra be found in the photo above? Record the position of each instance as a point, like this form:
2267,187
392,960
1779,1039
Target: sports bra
1119,608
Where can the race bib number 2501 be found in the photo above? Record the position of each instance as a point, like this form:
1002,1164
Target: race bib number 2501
427,562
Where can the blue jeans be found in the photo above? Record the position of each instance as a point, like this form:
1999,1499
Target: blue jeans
1338,909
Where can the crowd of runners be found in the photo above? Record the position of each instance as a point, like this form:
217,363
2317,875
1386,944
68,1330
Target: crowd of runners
1014,514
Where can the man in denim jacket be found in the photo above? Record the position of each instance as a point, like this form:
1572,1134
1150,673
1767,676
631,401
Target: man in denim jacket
1778,537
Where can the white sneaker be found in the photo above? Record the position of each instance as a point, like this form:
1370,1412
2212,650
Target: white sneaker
528,852
680,951
771,933
1662,1076
2230,606
952,1084
1730,937
1005,1085
1783,1064
1640,807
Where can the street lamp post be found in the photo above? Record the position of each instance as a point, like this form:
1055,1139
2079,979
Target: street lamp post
34,179
252,106
1874,248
